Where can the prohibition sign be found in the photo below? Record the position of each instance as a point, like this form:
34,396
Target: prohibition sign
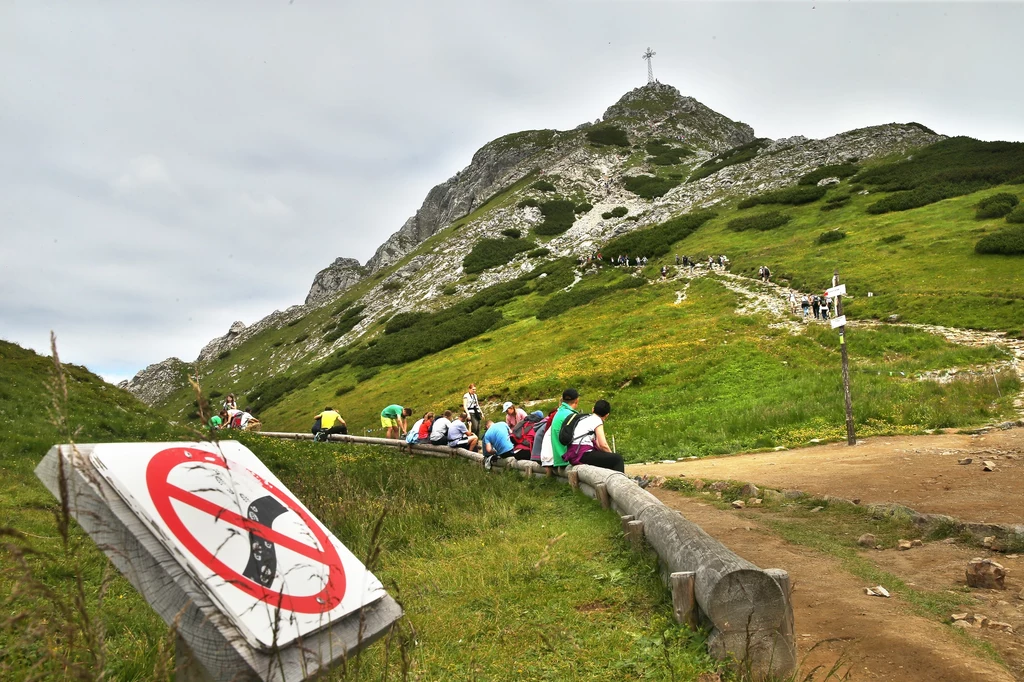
162,492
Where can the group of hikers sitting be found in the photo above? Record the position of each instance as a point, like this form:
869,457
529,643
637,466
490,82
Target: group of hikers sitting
230,417
556,440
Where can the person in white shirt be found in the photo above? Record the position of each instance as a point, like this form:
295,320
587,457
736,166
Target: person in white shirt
471,404
439,430
589,445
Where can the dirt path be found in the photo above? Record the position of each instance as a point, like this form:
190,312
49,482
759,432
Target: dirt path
882,639
920,472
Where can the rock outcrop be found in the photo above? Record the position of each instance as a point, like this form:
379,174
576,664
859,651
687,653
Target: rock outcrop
339,276
157,382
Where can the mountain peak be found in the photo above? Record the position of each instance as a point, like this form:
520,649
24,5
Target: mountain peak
654,100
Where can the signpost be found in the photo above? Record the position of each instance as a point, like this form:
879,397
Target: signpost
838,291
256,587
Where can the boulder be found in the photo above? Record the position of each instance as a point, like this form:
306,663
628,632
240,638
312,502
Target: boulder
867,540
986,574
749,490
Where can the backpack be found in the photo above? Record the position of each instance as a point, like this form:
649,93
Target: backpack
568,430
525,432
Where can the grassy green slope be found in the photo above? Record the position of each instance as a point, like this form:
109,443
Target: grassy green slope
932,276
687,379
457,547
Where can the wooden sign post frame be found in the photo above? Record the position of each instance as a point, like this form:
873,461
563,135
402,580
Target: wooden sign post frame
209,647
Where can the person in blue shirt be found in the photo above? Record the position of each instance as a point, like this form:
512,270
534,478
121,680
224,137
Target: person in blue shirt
497,442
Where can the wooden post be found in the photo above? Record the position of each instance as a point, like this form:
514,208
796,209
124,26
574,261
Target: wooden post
782,578
574,479
684,600
851,437
602,495
625,523
635,533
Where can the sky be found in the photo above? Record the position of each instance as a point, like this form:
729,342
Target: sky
169,168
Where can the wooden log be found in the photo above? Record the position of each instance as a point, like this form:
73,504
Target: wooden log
574,479
747,609
216,645
684,600
624,520
635,533
602,495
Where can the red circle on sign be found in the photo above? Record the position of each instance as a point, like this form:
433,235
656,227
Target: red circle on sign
162,492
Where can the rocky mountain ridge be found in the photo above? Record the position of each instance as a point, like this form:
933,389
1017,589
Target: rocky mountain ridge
484,199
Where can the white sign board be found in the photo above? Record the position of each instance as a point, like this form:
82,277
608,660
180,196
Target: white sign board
832,292
838,322
271,566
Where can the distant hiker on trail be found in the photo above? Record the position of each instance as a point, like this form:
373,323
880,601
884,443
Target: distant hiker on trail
806,305
513,414
460,436
556,458
439,429
589,445
678,262
664,271
330,423
767,275
471,404
392,418
792,302
816,306
497,442
824,308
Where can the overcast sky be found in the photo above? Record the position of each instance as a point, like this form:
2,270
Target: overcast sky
169,168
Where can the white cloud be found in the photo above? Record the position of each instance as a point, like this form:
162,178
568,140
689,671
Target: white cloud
265,206
144,171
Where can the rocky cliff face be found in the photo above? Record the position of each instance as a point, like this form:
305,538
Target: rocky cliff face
158,381
336,278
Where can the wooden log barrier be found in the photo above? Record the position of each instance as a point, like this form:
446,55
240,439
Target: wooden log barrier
684,600
625,519
635,533
209,646
748,609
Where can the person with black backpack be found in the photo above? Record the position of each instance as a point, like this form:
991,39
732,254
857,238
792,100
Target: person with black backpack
589,445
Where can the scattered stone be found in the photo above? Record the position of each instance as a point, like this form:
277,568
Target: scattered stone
891,318
979,620
718,495
987,542
1002,627
965,460
1020,595
879,547
794,494
958,616
949,541
962,624
719,485
904,545
814,440
816,509
770,494
916,543
738,504
855,500
876,591
988,465
749,490
986,574
668,461
754,501
698,484
867,540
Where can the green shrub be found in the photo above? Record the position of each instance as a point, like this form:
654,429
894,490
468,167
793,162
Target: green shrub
391,285
607,215
952,167
830,236
583,208
528,203
552,276
842,170
566,300
300,338
762,222
650,186
559,215
488,253
1016,215
838,201
512,233
342,390
422,340
294,322
619,211
658,240
543,186
1007,242
893,238
367,373
730,157
996,206
608,135
791,196
663,154
340,308
344,325
402,321
450,290
537,253
215,394
224,354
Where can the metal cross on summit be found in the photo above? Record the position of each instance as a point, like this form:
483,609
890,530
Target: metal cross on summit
650,69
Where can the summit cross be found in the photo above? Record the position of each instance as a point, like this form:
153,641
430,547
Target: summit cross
649,55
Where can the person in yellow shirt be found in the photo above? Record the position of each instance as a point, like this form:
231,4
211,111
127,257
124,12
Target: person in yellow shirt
330,422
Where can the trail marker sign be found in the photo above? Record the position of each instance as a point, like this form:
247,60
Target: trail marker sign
257,587
838,322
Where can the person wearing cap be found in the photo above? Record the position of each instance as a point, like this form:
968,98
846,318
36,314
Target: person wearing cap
570,400
513,414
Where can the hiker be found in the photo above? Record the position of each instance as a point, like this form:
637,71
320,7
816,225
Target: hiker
330,422
217,420
664,271
589,445
524,435
816,306
497,442
792,302
471,404
806,305
824,308
439,429
420,431
767,275
678,262
555,450
723,260
513,414
237,419
230,403
460,435
393,418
